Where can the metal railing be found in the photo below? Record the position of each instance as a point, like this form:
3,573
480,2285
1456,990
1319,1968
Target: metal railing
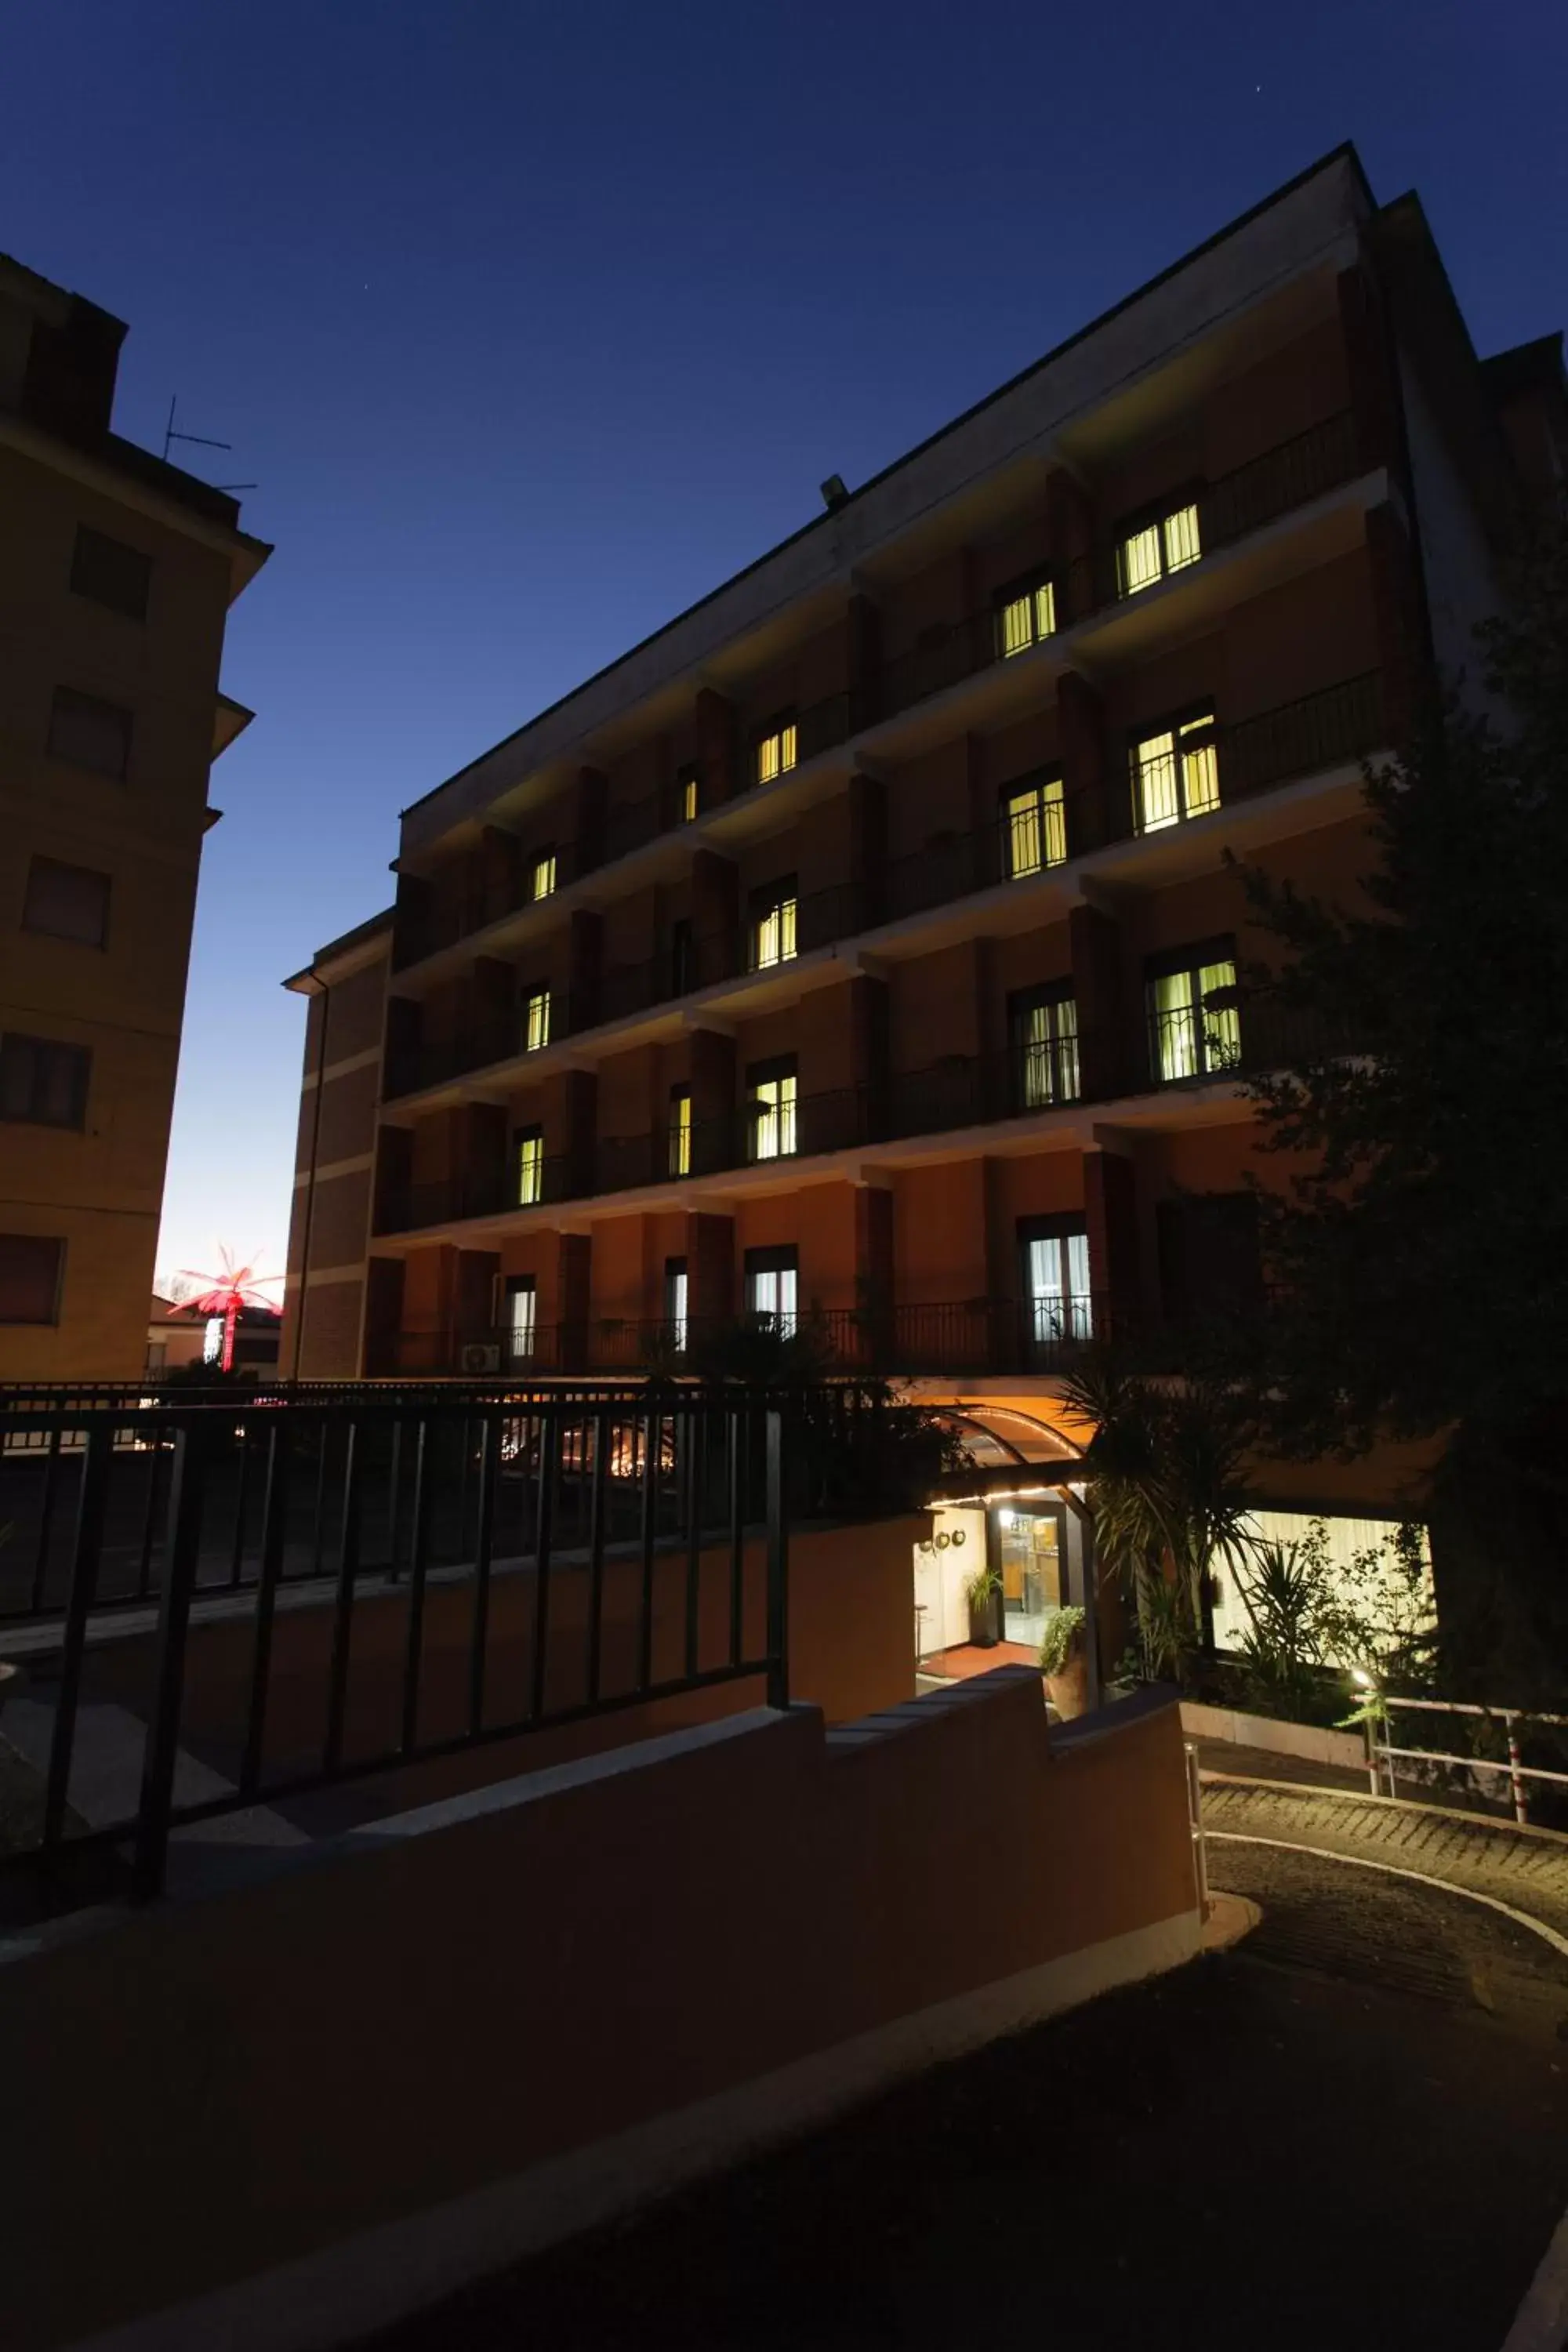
1180,1048
1268,487
1333,727
606,1500
1383,1757
963,1335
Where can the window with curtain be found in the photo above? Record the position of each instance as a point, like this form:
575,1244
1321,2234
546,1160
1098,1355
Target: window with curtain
776,750
542,879
686,794
1175,771
680,1132
1035,827
774,924
1154,550
773,1286
771,1110
1190,1036
536,1019
675,1301
521,1331
1057,1303
1025,615
1045,1033
42,1082
530,1166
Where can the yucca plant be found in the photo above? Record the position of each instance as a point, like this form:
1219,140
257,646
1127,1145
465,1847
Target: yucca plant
1164,1469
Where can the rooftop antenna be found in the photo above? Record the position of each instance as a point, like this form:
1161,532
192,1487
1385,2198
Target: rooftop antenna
200,441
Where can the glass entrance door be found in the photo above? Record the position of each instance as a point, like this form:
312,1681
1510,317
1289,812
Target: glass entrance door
1033,1571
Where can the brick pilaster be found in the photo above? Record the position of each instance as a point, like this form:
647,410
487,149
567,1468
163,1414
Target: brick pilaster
717,748
1103,1028
574,1281
1095,814
710,1270
1110,1216
715,916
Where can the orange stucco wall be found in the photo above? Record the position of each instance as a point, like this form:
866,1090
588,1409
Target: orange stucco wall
358,2045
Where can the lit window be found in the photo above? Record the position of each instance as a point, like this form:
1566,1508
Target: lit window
1168,545
1176,773
521,1329
774,925
1036,828
773,1290
675,1302
1058,1306
543,880
1180,532
773,1105
1191,1038
1047,1034
776,750
1026,618
530,1166
536,1021
687,782
680,1132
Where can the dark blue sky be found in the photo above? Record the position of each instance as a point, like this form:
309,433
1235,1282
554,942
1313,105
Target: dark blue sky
533,323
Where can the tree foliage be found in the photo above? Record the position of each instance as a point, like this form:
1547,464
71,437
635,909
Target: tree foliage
1164,1487
1418,1252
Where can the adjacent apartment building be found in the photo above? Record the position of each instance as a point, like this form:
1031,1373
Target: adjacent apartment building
116,574
861,947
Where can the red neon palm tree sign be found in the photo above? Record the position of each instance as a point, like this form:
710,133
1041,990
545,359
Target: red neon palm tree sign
226,1293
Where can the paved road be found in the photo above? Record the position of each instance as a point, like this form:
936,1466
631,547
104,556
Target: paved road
1351,2128
1527,1869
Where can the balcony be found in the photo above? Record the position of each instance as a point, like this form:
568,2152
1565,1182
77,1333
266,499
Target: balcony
1332,728
1282,480
964,1338
1260,1036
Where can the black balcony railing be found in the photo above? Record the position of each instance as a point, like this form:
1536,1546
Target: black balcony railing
1332,727
1268,487
1241,1037
966,1336
625,1517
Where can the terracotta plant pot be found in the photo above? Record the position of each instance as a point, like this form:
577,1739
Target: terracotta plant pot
1068,1691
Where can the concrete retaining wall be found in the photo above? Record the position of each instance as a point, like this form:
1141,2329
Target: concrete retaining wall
285,2115
1346,1748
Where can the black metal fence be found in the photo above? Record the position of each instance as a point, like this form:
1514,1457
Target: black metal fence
581,1505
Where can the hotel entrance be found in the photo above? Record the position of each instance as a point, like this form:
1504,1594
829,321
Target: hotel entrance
1031,1543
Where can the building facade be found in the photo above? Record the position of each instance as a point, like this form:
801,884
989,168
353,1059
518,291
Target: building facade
862,947
116,574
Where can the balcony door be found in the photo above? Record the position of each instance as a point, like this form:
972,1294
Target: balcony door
1058,1309
520,1331
773,1290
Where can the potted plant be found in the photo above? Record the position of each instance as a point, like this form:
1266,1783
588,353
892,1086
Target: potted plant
983,1591
1063,1665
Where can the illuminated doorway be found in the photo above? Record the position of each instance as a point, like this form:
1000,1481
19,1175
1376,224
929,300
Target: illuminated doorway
1034,1568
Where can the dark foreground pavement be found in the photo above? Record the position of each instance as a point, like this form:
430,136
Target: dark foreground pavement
1351,2129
